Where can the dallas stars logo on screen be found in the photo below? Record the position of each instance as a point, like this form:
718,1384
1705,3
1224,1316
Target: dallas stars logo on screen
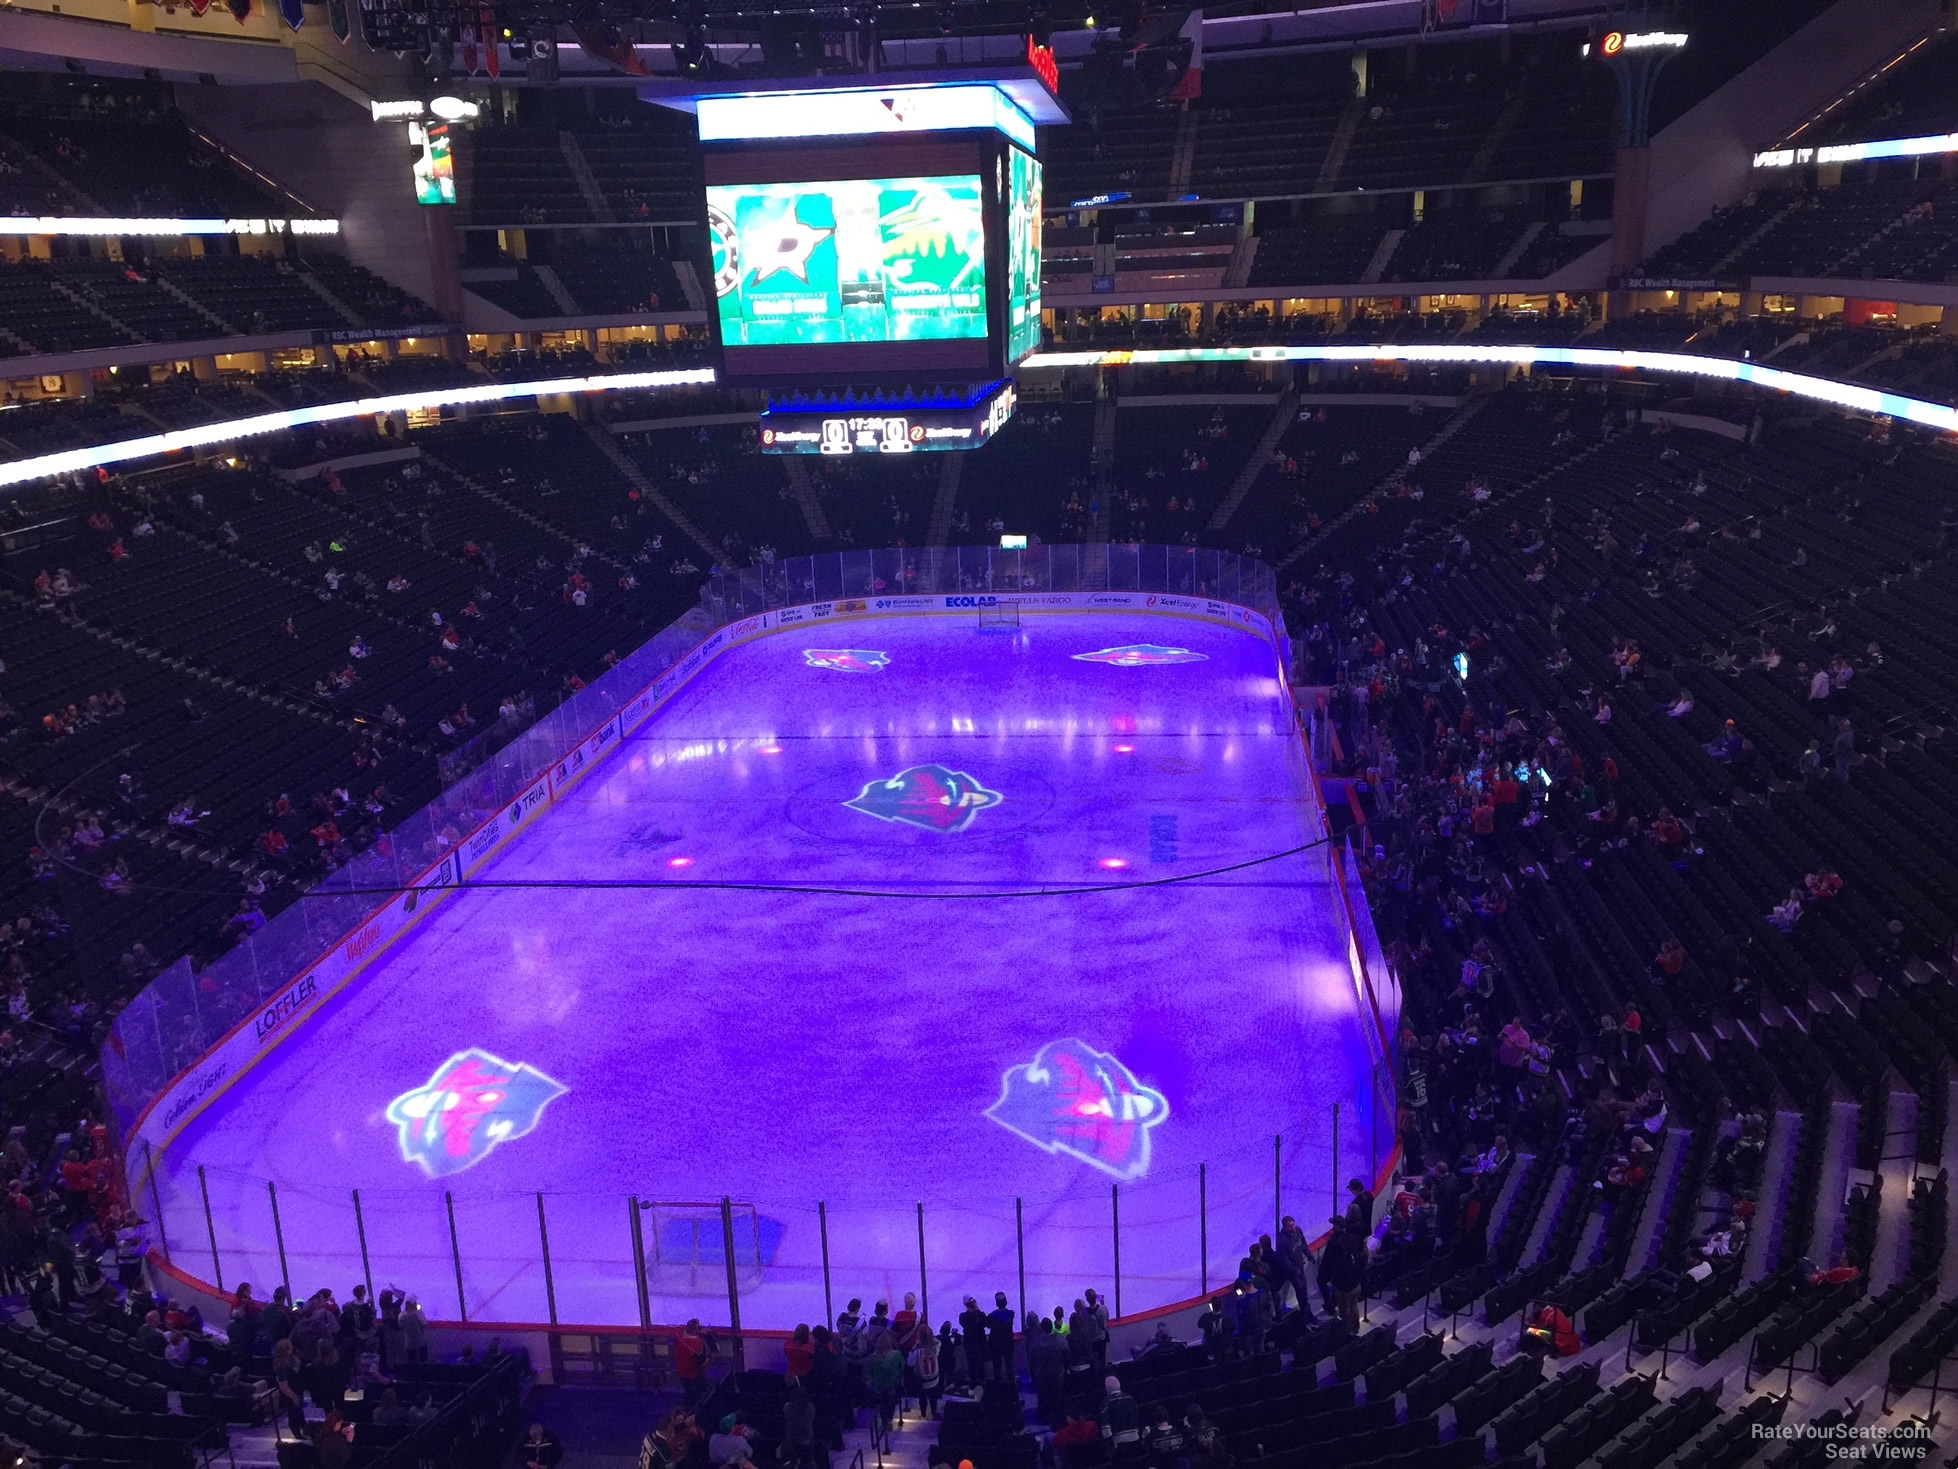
724,248
858,260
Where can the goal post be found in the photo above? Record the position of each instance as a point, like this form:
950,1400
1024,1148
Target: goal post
1001,616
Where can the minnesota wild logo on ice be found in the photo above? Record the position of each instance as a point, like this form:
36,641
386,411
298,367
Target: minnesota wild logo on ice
926,795
1141,655
846,660
473,1102
1076,1100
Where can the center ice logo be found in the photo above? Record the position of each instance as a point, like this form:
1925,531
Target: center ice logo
846,660
926,795
473,1102
1141,655
1076,1100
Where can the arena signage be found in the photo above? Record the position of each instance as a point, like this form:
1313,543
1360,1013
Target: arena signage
1041,59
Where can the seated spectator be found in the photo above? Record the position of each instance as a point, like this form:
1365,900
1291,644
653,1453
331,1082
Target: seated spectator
333,1441
1551,1330
1727,745
732,1443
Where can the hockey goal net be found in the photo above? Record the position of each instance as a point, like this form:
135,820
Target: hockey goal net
1002,616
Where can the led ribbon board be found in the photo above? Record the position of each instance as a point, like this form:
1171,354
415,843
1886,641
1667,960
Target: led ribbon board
750,116
1931,143
1853,396
20,471
111,225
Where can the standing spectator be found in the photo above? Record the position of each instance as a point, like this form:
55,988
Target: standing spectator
1047,1366
904,1325
1844,748
1345,1269
1121,1416
691,1349
1099,1308
286,1387
1083,1333
799,1354
1296,1251
1359,1208
414,1331
855,1340
541,1449
1000,1339
886,1379
974,1325
926,1371
799,1449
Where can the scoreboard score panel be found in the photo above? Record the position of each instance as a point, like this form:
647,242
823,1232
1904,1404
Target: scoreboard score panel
912,429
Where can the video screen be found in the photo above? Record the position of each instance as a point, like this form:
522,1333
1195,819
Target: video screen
853,260
435,173
1022,255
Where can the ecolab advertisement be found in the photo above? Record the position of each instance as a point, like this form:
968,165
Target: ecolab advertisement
285,1013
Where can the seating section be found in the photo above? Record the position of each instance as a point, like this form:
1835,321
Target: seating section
1454,245
1034,477
1910,100
518,176
373,300
135,300
140,161
1881,229
1264,146
1125,154
1331,249
618,279
523,294
251,293
648,166
38,314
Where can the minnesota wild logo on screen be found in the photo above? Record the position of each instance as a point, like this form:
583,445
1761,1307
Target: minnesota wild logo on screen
860,260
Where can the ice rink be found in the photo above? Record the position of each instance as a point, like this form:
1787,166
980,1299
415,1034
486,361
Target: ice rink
946,974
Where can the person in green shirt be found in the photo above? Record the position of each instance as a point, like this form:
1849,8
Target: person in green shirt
886,1371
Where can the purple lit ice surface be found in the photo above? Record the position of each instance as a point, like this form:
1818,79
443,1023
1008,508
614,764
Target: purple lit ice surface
783,1047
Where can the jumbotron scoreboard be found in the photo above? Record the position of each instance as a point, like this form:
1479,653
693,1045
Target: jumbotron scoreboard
872,243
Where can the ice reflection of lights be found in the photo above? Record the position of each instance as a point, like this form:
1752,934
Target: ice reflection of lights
1125,749
1114,864
771,749
679,861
